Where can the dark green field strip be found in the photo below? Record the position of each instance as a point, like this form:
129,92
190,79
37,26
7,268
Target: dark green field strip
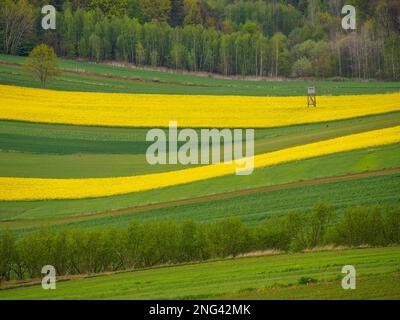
279,138
376,287
63,139
206,280
83,76
327,166
22,143
75,132
26,165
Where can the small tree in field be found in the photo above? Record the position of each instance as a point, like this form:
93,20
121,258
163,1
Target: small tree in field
42,63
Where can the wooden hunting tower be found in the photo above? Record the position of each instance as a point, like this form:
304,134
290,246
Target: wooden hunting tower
312,97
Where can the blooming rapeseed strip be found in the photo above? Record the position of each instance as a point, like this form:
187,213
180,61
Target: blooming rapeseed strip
148,110
40,189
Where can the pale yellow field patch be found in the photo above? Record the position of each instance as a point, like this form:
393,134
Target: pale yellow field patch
40,189
152,110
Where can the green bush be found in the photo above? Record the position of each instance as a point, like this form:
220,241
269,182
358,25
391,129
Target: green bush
302,68
361,226
391,226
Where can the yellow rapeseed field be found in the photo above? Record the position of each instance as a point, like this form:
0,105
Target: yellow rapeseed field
144,110
40,189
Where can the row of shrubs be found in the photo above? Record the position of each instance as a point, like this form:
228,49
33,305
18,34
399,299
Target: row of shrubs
78,251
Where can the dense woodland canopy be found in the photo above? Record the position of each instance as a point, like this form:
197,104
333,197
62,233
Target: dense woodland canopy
296,38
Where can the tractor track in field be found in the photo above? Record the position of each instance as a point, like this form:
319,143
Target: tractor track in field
200,199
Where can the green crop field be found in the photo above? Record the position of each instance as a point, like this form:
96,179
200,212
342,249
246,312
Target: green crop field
277,276
376,287
369,176
85,76
61,151
253,208
65,139
91,186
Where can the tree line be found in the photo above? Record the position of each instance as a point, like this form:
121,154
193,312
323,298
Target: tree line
141,245
232,37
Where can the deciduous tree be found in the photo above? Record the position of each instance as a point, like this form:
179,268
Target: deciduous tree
42,63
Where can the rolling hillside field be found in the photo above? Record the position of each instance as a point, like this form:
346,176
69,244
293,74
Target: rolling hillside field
267,277
201,150
27,188
252,207
73,165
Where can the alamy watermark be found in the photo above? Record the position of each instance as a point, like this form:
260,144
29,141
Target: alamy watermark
349,280
49,20
348,21
164,149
